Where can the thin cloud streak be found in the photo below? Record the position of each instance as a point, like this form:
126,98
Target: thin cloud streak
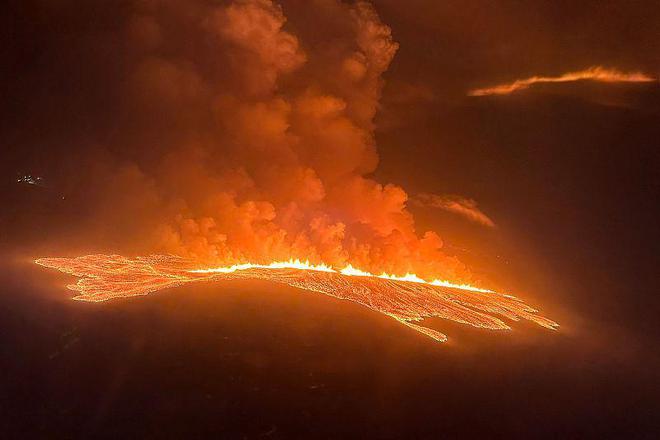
595,73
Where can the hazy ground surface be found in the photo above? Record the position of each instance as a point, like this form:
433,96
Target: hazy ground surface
254,359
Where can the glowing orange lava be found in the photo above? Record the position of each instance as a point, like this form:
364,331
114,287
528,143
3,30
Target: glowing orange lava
407,298
596,73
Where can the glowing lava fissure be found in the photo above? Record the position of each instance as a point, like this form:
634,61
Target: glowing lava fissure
408,299
349,270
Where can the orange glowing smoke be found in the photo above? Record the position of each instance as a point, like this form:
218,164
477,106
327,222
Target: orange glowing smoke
596,73
407,299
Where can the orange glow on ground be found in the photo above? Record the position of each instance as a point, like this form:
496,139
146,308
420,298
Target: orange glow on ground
408,299
596,73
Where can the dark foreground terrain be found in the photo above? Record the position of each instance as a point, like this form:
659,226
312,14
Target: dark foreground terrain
256,360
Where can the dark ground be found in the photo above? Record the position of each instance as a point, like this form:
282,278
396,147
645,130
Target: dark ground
251,360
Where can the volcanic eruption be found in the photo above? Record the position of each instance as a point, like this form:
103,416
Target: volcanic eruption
244,149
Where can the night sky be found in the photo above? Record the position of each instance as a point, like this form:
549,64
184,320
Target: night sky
136,116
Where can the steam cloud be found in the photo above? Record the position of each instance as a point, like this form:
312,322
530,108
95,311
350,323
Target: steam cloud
251,142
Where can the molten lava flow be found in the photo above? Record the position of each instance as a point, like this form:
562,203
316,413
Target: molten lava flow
407,299
596,73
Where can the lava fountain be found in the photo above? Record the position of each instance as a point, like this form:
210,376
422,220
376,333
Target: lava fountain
408,299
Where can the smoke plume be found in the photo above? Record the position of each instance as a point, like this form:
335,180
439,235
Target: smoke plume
236,135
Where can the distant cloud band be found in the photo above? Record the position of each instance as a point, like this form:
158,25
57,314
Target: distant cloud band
596,73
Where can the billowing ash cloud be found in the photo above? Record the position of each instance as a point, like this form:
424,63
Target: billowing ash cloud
455,204
239,139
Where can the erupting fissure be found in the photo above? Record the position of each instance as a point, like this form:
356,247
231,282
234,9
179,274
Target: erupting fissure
407,298
349,270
